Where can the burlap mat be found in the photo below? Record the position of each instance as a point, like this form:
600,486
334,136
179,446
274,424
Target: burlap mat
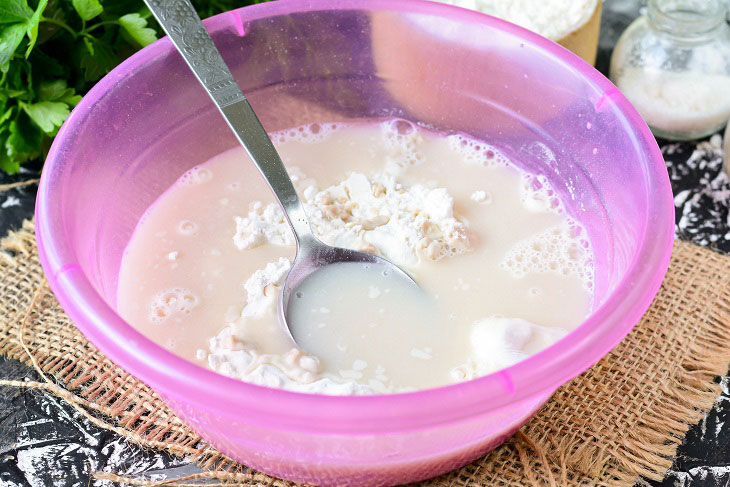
622,419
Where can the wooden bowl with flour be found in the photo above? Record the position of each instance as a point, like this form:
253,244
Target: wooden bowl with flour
574,24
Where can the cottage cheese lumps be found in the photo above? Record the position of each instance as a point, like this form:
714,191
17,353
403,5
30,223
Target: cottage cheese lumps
503,271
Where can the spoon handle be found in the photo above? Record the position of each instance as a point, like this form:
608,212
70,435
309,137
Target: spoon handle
180,21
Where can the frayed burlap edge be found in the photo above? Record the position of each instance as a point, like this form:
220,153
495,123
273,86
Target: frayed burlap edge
622,419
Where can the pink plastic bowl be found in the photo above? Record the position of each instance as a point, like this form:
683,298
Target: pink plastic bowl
149,121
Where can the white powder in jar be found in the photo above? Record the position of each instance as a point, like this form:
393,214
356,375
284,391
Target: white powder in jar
677,102
553,19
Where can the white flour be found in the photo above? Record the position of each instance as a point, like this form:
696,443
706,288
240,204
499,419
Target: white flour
261,287
376,214
498,342
550,18
677,102
480,196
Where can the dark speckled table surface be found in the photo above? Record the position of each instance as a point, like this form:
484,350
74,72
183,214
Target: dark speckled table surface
43,442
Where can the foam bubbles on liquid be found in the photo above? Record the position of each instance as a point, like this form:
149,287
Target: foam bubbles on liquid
196,175
538,196
401,139
313,132
172,301
187,228
561,249
476,152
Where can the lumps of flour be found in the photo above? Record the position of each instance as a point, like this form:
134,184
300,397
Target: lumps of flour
373,214
498,342
402,224
563,248
479,196
266,375
313,132
476,152
262,288
173,301
264,224
230,355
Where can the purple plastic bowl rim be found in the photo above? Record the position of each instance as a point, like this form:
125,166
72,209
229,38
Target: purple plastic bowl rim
542,373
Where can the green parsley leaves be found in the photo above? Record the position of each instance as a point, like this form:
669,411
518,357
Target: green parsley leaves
53,51
136,28
12,11
87,9
17,20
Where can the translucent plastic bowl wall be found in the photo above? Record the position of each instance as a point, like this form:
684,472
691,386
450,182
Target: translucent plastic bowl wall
149,121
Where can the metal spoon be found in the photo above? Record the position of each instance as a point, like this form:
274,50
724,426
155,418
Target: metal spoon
182,24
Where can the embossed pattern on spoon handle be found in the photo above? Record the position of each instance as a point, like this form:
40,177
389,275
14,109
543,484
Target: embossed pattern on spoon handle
180,21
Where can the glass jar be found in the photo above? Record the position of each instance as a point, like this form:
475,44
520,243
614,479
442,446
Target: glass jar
673,64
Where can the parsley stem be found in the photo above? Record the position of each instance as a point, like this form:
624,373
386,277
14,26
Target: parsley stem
98,24
60,23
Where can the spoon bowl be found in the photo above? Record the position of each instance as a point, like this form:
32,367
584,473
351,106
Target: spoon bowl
312,255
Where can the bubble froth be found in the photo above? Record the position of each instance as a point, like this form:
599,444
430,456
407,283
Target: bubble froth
562,249
476,152
196,175
313,132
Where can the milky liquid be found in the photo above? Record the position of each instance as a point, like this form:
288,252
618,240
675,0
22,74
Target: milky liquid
507,271
391,313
